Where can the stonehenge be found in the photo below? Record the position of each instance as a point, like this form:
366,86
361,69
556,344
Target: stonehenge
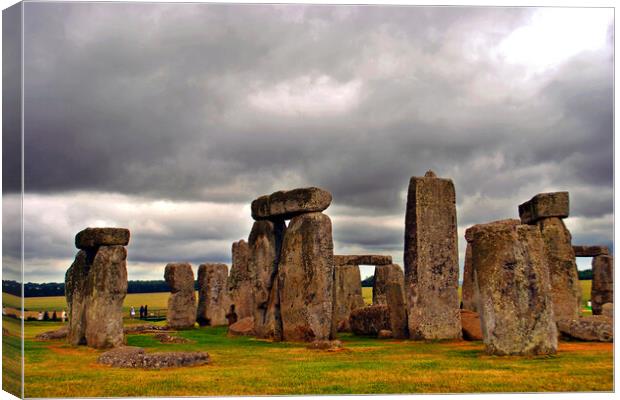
516,308
545,211
389,289
95,288
182,301
431,259
347,294
602,282
213,301
241,280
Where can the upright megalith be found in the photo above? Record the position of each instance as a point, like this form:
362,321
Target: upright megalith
213,301
389,289
95,288
431,259
546,210
241,281
265,242
287,204
516,309
347,294
469,289
602,282
182,301
305,278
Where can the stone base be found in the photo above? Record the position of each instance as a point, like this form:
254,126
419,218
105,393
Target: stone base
135,357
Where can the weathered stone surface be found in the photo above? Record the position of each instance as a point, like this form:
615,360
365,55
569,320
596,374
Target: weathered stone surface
347,294
516,310
469,289
592,328
306,279
136,357
471,325
369,320
265,242
213,302
607,310
364,259
241,281
602,282
182,301
327,345
77,295
544,205
60,333
287,204
91,238
384,334
243,327
389,289
107,283
590,251
565,287
431,259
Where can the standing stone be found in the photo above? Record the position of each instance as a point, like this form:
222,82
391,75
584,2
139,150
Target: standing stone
347,294
241,281
516,308
182,300
95,287
469,290
389,289
76,293
107,283
431,259
306,278
265,242
602,282
565,287
213,303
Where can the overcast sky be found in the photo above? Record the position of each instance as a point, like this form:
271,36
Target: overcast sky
168,119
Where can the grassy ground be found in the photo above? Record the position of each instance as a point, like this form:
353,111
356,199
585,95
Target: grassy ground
247,366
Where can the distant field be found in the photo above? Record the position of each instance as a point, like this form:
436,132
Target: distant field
160,300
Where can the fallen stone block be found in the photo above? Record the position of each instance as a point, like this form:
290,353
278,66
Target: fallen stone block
385,334
364,259
608,310
138,329
590,251
593,328
91,238
544,205
52,335
166,338
327,345
243,327
288,204
368,321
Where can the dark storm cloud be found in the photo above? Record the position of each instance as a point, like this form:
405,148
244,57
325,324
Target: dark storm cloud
216,104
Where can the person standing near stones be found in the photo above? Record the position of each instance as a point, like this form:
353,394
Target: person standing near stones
63,316
146,311
141,312
132,312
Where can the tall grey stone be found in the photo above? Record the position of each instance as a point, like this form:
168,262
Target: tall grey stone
469,289
516,308
107,281
265,242
77,295
602,282
182,301
213,301
306,278
389,289
241,281
347,294
431,259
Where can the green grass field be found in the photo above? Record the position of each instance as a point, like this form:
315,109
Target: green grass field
248,366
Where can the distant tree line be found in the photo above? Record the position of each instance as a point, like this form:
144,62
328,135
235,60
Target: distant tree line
58,289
